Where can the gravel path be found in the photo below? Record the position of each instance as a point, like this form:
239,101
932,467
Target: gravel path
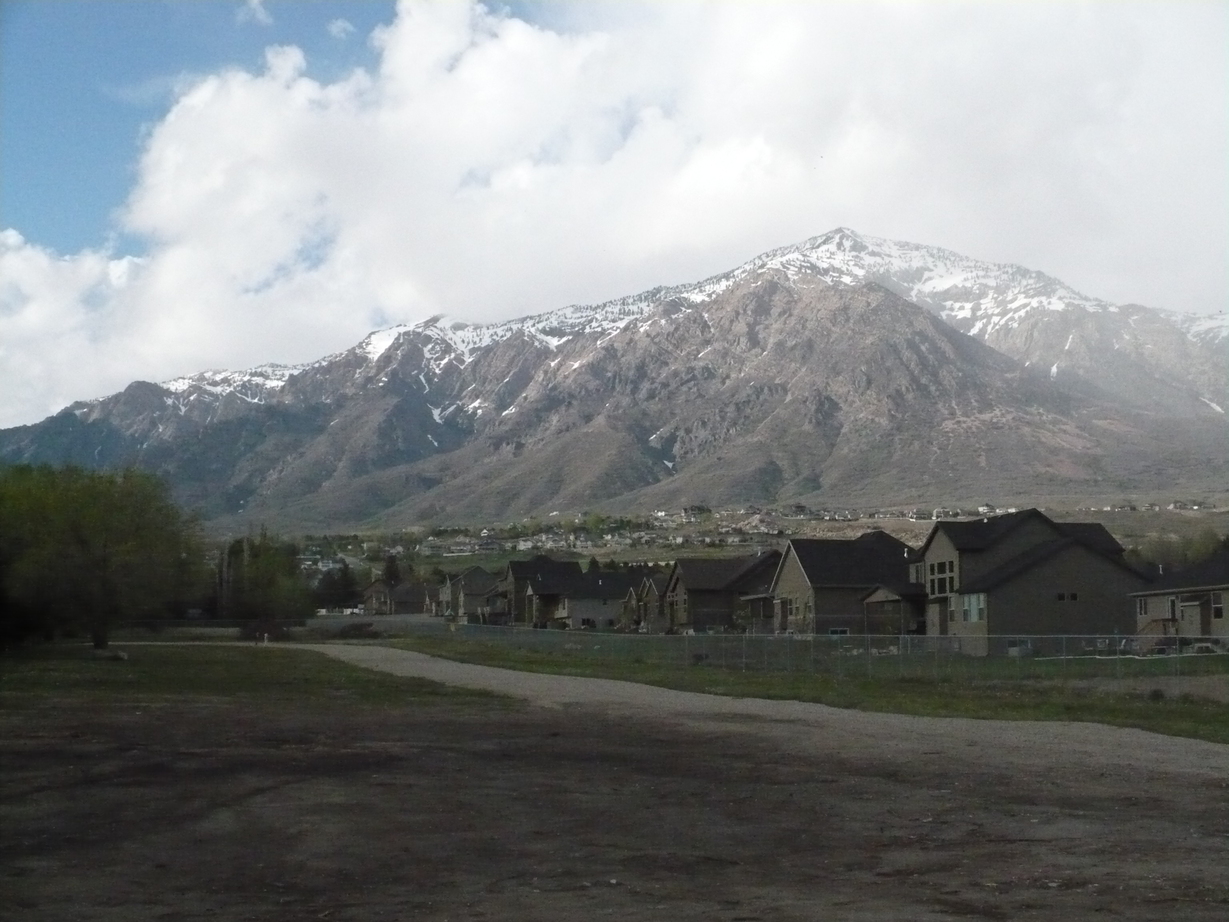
1112,751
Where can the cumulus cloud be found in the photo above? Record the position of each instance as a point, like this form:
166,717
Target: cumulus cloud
489,167
341,28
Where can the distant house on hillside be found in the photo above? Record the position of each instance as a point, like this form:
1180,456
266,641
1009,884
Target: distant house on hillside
706,594
846,586
1187,604
1024,574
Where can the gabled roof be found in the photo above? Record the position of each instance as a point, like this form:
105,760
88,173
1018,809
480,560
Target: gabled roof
1021,563
594,584
757,576
1032,557
475,579
872,559
604,584
1212,573
979,534
541,565
408,591
715,574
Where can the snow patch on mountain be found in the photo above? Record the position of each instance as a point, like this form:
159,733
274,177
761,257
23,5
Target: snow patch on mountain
1210,329
977,297
250,384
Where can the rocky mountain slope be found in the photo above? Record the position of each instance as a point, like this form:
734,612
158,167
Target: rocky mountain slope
846,369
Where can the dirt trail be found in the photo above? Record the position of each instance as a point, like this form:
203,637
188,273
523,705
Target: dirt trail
999,744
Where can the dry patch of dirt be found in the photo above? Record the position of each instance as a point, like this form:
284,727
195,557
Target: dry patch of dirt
223,811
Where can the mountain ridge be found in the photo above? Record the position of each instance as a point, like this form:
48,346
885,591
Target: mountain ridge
804,373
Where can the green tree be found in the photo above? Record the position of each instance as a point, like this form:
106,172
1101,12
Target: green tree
259,581
83,550
338,588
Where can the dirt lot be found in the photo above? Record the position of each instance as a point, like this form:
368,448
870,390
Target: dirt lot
598,801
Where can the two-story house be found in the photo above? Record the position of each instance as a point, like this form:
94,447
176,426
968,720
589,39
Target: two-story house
1024,574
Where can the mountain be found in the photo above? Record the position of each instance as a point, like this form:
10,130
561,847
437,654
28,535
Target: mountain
844,370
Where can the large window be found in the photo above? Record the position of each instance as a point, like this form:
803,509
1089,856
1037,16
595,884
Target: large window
973,607
942,578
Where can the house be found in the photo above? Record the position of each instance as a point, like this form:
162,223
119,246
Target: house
834,586
404,597
514,582
1024,574
572,599
595,601
710,594
644,608
1189,603
465,594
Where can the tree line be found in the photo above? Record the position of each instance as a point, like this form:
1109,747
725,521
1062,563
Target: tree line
83,551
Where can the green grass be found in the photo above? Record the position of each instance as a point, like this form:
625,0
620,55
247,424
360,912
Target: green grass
275,674
945,696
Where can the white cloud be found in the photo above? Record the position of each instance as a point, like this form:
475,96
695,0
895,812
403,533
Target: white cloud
254,11
490,167
341,28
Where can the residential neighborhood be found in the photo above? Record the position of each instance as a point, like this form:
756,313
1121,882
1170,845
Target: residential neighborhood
1017,574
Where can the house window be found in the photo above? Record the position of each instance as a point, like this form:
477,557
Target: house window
1218,605
1062,597
838,632
1173,608
1073,596
932,569
973,607
1141,608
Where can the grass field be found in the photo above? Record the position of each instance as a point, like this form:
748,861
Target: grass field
273,674
1001,697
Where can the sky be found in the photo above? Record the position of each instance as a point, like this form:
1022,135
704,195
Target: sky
194,184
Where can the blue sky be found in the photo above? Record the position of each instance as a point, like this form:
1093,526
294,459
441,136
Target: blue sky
80,78
192,184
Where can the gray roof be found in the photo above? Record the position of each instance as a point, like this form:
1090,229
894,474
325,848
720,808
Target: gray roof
1212,573
872,559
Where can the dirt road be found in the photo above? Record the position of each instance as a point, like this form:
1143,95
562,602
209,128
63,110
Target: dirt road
599,799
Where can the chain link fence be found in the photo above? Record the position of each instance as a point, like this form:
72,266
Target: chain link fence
983,657
947,658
